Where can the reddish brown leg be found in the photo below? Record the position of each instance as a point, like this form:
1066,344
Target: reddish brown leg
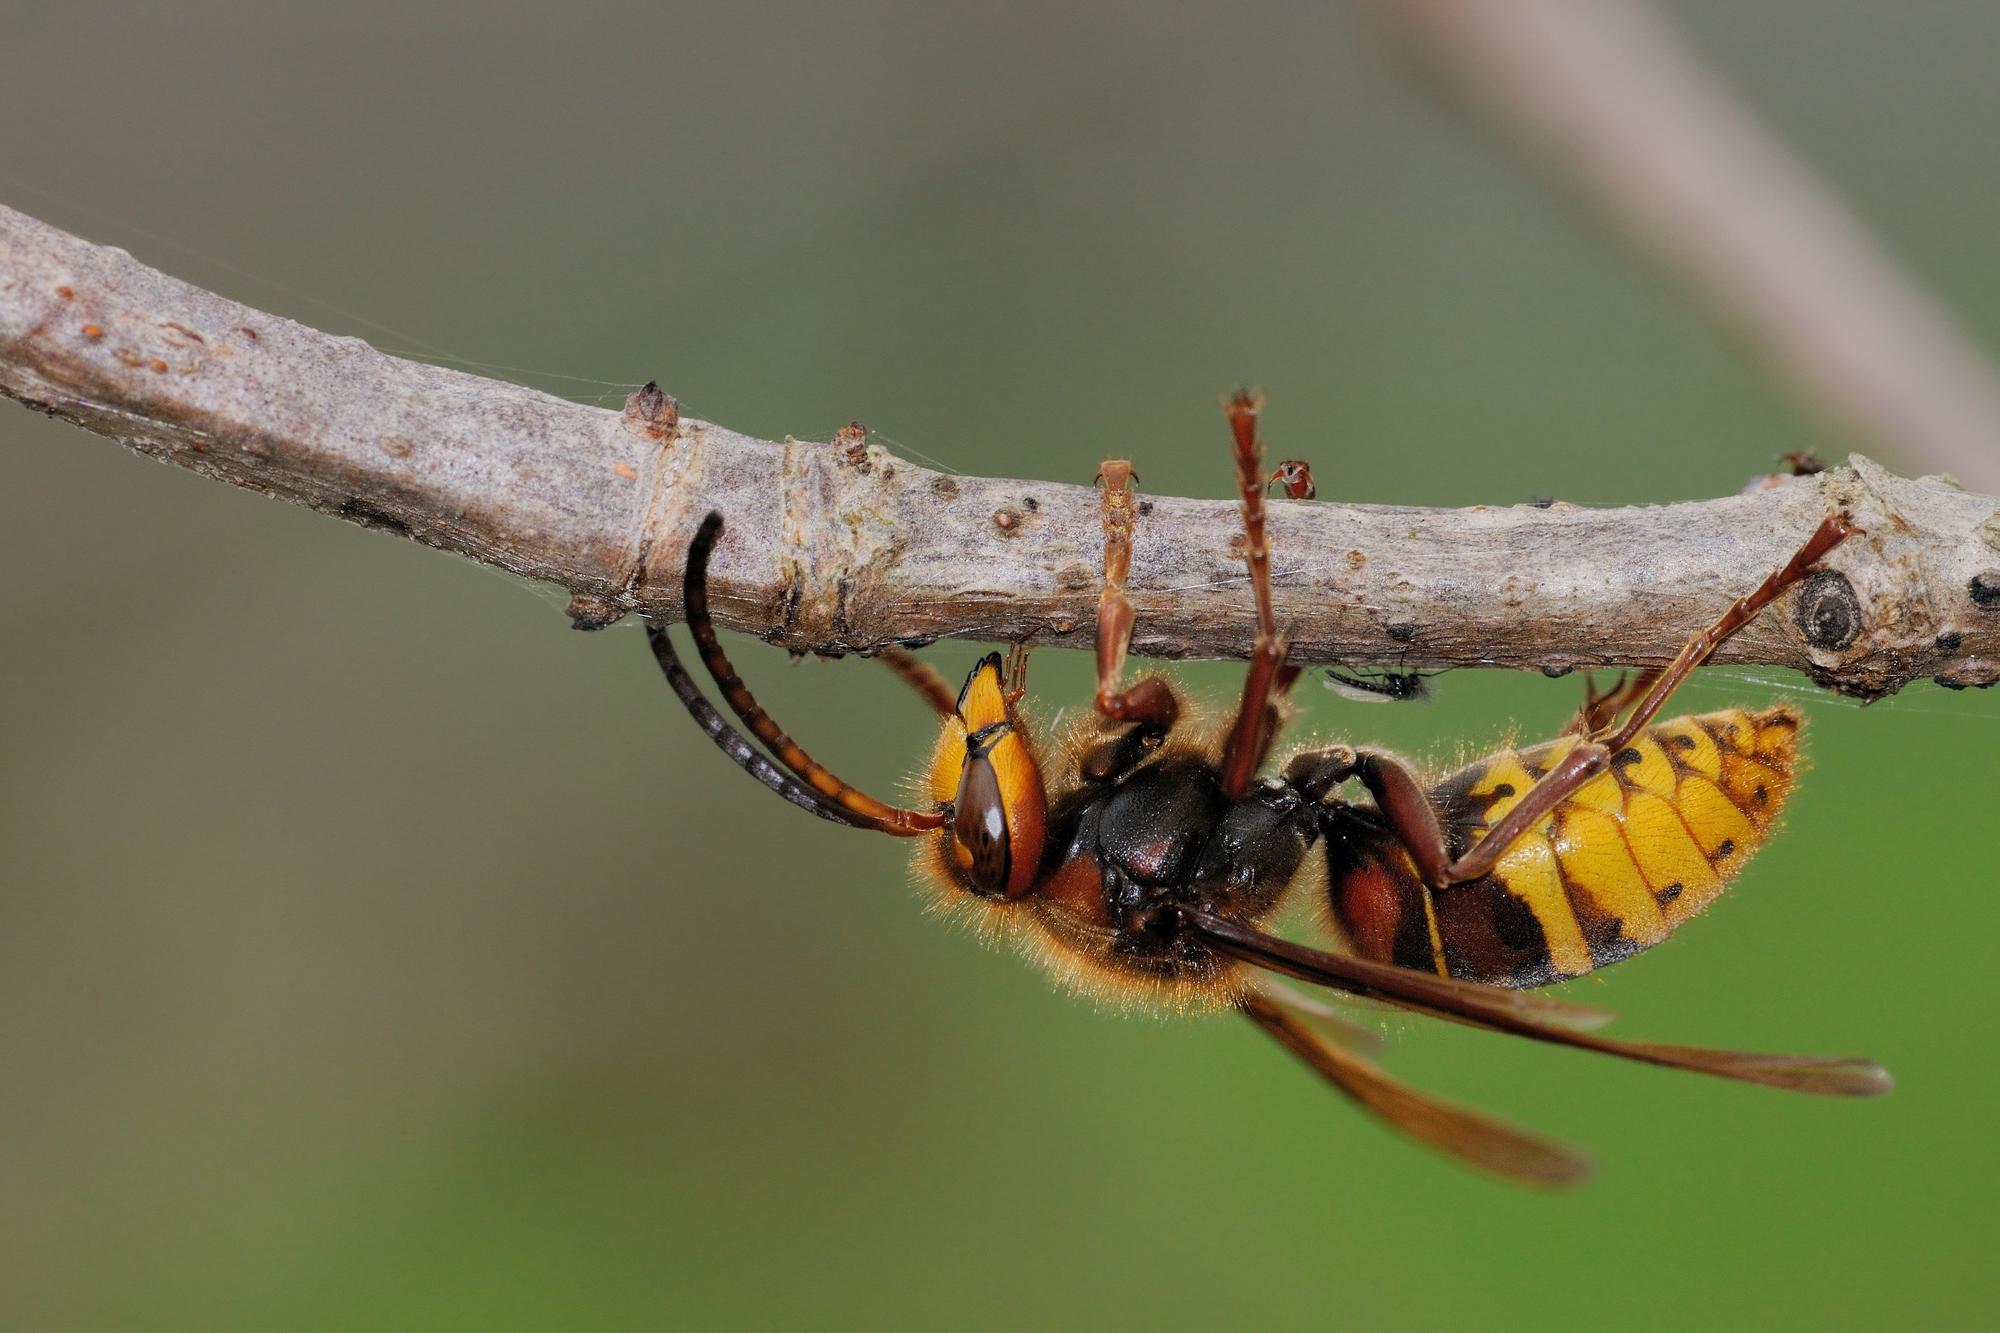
1015,677
920,676
1832,531
1149,701
1601,708
1269,678
936,691
1409,812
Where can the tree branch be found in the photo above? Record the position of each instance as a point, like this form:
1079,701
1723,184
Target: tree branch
843,547
1607,96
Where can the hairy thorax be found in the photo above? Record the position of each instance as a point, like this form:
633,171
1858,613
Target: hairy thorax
1163,835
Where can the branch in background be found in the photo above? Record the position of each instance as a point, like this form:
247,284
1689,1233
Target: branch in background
1606,95
842,547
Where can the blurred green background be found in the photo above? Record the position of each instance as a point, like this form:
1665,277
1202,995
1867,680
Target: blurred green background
377,953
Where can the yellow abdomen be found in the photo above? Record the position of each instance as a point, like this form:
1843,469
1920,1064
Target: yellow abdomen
1613,870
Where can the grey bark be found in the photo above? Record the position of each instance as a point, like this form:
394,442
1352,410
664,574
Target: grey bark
842,547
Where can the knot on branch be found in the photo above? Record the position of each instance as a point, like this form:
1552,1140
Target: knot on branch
1829,614
1893,604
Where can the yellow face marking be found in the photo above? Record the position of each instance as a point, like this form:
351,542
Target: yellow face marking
1666,855
1529,872
983,701
1015,766
1594,857
948,762
1691,745
982,704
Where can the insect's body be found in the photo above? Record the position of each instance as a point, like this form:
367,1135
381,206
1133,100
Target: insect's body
1159,837
1143,858
1614,869
1129,828
1164,835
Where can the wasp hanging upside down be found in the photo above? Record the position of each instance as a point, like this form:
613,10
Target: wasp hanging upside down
1141,860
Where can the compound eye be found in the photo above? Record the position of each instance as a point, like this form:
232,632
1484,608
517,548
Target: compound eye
979,827
986,769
